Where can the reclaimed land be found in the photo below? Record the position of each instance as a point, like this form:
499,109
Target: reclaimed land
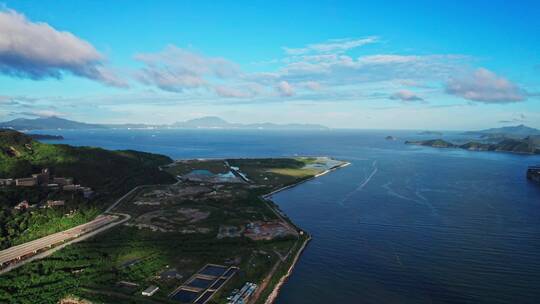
218,211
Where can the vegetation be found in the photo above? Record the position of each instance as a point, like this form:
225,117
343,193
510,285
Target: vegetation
99,264
93,269
436,143
185,167
109,173
39,224
274,172
526,145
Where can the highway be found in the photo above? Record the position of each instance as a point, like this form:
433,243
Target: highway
16,256
16,253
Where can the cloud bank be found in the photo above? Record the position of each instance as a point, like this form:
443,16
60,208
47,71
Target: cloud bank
406,95
485,86
175,69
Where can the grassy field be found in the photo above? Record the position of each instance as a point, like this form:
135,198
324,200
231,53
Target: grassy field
299,173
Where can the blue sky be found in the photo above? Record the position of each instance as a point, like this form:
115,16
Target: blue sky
389,65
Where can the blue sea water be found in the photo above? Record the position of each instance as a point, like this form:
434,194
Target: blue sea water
401,224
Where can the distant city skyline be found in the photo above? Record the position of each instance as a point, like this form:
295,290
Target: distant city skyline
438,65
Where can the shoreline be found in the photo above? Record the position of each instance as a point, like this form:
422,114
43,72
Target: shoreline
273,295
457,147
277,288
344,164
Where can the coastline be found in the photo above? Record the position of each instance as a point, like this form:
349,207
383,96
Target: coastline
275,292
344,164
273,295
458,147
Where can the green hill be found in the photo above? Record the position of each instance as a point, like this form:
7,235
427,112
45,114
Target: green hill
527,145
437,143
110,173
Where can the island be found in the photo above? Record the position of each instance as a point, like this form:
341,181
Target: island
185,231
389,137
526,145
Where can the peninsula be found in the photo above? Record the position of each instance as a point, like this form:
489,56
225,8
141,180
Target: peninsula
188,231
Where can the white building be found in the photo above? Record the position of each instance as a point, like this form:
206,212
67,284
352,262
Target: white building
150,291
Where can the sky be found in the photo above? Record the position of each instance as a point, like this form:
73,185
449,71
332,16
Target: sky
440,65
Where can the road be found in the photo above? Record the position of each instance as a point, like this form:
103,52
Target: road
30,248
16,256
46,246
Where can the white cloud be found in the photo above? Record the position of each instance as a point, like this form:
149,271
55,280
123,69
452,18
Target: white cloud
327,65
331,46
175,69
406,95
324,65
517,118
339,70
245,91
36,50
230,92
388,59
285,89
312,85
485,86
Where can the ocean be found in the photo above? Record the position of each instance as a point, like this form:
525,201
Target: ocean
401,224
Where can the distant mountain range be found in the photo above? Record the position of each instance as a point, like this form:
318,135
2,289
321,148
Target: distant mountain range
46,123
210,122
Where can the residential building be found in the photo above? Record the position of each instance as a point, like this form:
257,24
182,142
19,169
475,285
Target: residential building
87,192
26,182
6,181
43,177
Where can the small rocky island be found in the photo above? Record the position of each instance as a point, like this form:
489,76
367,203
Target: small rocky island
389,137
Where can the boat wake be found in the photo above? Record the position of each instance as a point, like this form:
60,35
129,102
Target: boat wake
362,185
420,199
